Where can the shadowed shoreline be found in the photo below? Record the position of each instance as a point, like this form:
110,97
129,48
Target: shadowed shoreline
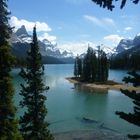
109,85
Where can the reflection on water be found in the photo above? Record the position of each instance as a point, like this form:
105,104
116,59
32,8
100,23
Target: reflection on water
80,88
69,103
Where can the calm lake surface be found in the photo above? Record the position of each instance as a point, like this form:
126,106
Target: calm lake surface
67,104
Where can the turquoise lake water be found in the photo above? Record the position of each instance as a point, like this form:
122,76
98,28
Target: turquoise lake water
67,103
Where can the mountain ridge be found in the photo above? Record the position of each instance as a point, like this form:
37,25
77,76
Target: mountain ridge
21,40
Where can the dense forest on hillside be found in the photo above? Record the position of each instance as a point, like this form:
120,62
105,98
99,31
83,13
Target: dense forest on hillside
125,61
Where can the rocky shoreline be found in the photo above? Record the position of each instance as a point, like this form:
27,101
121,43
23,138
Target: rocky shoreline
109,85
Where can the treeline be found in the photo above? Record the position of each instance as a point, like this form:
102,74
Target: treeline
126,61
93,67
22,62
134,116
32,124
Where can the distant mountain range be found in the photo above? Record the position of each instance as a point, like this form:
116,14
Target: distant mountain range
127,55
21,40
128,47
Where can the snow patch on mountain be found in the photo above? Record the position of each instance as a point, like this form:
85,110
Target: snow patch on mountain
138,34
46,47
124,44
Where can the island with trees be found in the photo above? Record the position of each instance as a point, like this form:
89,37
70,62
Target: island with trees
92,72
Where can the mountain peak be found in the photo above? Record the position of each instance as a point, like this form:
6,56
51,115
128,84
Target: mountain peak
46,41
124,45
22,31
136,40
138,34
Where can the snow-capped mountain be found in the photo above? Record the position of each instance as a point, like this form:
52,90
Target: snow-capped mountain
108,50
130,49
22,32
21,36
21,40
124,44
136,40
66,54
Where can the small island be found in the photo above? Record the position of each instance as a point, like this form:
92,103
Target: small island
108,85
92,72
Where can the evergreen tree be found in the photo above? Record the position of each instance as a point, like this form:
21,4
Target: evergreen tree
79,66
99,70
104,66
93,62
109,3
126,61
8,122
75,67
33,124
87,66
84,70
134,117
95,69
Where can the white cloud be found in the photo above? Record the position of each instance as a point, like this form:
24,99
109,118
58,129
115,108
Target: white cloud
113,39
128,28
93,19
42,27
102,22
47,36
108,21
17,23
76,47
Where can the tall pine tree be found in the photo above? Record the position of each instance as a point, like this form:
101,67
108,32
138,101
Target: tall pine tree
94,69
86,75
104,66
33,124
134,117
93,62
76,67
109,4
8,122
79,63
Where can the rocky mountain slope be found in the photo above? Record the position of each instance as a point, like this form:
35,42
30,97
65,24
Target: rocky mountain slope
21,40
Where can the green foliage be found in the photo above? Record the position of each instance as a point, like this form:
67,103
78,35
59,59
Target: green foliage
109,3
102,66
78,67
92,68
87,65
33,124
93,62
134,117
79,61
126,61
20,62
8,121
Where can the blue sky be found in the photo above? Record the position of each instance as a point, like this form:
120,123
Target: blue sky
72,24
